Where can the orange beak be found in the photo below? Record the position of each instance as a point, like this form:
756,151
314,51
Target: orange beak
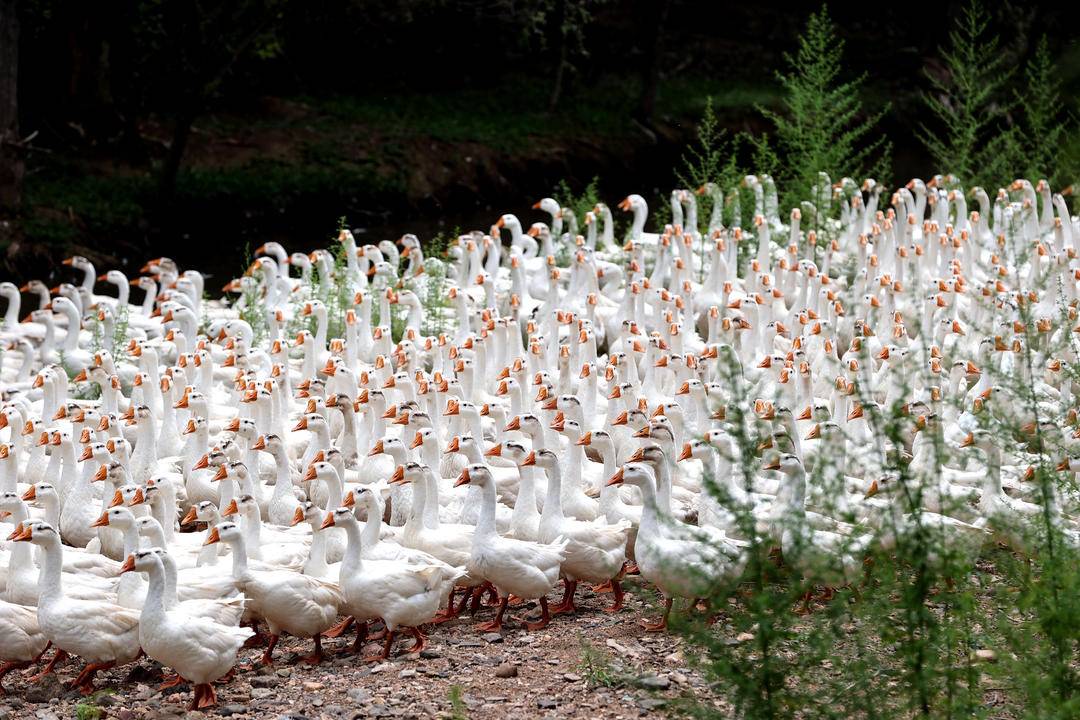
191,517
232,509
463,479
617,478
103,521
213,537
687,452
129,565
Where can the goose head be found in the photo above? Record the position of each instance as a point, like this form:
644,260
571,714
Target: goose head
118,517
475,474
142,561
341,516
635,473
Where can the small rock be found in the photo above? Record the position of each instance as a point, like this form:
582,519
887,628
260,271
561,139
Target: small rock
284,672
470,642
313,686
44,691
493,637
744,637
261,692
264,681
232,709
986,655
407,673
680,678
571,677
654,682
547,703
651,703
507,670
358,695
430,654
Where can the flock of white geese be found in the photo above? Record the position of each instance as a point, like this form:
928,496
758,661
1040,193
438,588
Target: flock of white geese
179,471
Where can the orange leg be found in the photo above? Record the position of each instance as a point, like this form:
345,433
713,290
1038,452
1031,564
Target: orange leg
545,617
316,657
387,643
85,681
662,625
58,656
421,641
203,697
567,604
341,628
616,606
495,624
173,682
268,656
361,638
449,613
259,638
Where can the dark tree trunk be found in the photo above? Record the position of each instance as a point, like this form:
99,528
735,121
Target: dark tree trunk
11,151
561,53
183,121
656,13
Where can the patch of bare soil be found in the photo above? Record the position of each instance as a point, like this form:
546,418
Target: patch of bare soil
590,664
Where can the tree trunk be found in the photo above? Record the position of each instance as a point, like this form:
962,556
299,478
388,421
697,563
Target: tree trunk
561,61
185,118
11,151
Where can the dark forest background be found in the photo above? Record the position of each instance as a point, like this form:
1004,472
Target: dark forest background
194,128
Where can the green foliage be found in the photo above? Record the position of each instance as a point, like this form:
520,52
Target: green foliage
970,104
581,203
1047,123
597,668
821,125
457,703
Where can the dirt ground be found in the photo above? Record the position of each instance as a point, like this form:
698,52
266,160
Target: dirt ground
582,666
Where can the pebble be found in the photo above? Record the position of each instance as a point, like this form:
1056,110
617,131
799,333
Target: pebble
232,709
263,681
430,654
313,686
407,673
571,677
506,670
358,695
261,692
493,637
651,703
654,682
547,703
744,637
284,672
986,655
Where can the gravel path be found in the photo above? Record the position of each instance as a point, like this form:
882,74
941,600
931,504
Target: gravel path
461,674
